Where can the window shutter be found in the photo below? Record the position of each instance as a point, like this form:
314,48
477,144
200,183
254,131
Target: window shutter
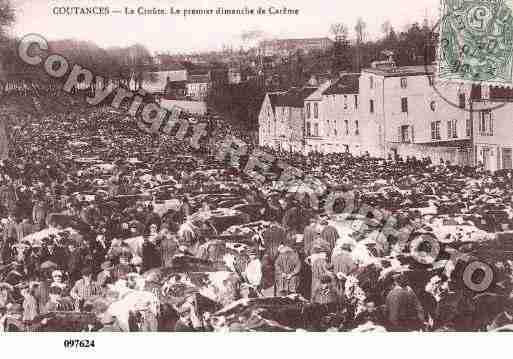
412,134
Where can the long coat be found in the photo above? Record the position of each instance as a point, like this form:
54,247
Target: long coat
330,235
319,270
404,310
287,263
308,237
168,248
342,263
273,237
150,256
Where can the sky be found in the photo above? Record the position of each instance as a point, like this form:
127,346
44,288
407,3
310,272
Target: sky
174,34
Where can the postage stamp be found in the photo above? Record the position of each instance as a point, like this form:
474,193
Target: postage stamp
476,42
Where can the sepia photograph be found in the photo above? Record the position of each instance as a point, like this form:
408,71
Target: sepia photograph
227,166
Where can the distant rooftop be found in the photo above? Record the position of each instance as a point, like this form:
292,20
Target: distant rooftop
346,84
301,40
401,71
291,98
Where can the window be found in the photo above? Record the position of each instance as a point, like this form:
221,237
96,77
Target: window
283,114
404,104
486,124
316,129
468,127
308,113
461,98
356,102
451,129
371,79
346,123
308,129
404,82
357,128
435,130
316,110
371,106
345,102
405,133
430,80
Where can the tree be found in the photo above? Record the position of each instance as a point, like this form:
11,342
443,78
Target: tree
386,27
6,16
339,31
360,36
341,60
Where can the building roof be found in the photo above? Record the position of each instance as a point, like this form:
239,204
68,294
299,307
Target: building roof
346,84
176,84
317,94
173,67
294,41
291,98
156,81
199,78
402,71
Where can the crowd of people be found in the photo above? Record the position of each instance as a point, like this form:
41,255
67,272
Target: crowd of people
81,213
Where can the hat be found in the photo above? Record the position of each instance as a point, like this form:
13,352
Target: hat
252,252
325,279
86,271
136,261
107,265
55,290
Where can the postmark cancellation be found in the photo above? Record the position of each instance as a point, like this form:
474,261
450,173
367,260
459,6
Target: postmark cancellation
476,42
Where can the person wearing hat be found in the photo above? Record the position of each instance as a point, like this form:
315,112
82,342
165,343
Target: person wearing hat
343,264
326,294
309,234
168,247
253,271
151,257
84,288
319,263
57,281
57,301
405,313
30,309
286,270
105,276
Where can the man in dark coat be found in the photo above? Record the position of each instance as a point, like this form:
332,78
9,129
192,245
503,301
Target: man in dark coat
309,235
286,270
168,248
150,255
273,236
404,310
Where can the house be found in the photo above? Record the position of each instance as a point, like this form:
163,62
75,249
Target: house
314,135
175,89
414,116
492,125
281,119
155,82
198,86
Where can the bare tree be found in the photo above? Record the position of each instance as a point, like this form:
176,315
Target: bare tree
360,38
339,31
6,16
386,27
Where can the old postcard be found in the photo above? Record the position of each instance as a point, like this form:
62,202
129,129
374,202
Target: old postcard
227,166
